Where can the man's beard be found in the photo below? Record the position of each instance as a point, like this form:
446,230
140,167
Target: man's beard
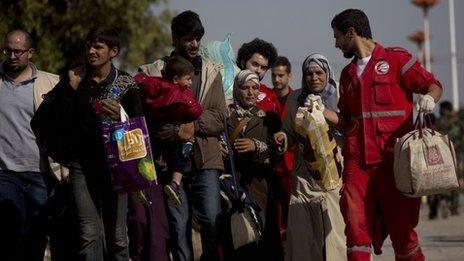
280,87
16,68
186,55
348,55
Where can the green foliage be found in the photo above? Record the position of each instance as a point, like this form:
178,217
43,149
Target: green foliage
60,26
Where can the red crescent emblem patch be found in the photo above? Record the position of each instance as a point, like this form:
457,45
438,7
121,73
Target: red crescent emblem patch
382,67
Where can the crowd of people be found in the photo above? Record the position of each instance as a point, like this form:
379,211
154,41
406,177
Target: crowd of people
75,210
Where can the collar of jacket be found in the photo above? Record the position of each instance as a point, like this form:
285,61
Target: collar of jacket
377,54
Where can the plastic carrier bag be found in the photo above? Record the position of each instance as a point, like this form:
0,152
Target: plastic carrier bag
221,52
323,156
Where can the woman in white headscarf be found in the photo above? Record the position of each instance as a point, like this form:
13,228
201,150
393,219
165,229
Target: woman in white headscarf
250,131
315,225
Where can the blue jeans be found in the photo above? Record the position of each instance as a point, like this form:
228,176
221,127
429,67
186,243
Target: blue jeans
202,188
101,214
22,218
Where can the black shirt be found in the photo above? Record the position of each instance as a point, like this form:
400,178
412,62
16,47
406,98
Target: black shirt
86,116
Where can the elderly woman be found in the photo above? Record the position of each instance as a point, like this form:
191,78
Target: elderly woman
315,224
250,132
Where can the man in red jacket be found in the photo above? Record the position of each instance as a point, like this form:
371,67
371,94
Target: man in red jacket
258,56
281,77
376,91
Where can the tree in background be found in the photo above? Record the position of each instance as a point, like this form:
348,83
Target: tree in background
59,27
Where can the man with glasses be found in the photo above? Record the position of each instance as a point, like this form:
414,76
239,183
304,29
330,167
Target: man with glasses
22,187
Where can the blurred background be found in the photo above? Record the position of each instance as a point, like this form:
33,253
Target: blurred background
296,27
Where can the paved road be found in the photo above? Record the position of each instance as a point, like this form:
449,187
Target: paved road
441,239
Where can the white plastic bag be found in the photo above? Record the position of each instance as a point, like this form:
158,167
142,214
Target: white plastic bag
327,161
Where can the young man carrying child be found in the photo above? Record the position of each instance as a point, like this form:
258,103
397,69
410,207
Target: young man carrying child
170,100
201,190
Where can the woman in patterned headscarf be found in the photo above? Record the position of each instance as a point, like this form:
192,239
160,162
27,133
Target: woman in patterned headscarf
315,224
250,130
316,66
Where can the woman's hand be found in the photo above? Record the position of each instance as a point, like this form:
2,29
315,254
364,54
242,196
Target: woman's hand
314,98
244,145
280,140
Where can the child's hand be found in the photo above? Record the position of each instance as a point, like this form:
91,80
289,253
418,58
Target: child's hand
186,131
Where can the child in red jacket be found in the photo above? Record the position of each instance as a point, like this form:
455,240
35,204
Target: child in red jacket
170,100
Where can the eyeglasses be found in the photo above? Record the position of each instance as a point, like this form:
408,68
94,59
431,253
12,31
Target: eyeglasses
16,52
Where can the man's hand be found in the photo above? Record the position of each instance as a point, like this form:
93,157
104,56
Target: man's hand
186,131
111,109
425,104
75,76
244,145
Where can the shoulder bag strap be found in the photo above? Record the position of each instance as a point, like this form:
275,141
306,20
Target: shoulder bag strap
239,128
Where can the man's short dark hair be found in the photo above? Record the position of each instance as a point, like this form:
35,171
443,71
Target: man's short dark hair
446,105
29,40
177,66
352,18
103,34
262,47
283,61
187,23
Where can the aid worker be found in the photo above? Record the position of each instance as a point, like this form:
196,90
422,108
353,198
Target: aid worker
376,94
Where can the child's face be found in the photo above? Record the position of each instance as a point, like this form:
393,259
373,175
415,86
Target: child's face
184,81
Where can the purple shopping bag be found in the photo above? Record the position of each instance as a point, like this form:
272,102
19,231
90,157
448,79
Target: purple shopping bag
128,154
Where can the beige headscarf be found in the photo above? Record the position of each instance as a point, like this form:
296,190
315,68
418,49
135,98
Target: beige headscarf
241,78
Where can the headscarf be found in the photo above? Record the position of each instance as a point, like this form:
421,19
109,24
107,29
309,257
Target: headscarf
330,94
241,78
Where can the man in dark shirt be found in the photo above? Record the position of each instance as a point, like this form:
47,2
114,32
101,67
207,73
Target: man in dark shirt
281,77
94,93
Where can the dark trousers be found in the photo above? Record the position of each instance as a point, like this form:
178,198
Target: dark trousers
148,227
451,198
22,219
101,215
